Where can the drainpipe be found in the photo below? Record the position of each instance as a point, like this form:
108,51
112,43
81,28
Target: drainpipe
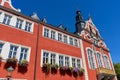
37,41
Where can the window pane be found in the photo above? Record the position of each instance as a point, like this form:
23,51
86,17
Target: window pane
45,57
52,58
19,23
23,53
52,35
73,62
91,59
28,26
59,37
13,51
46,32
71,41
99,60
67,61
6,19
75,42
60,60
78,63
1,45
65,39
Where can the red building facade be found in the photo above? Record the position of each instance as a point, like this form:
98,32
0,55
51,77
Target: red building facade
31,49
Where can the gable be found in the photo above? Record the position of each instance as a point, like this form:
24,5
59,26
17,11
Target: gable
91,33
8,4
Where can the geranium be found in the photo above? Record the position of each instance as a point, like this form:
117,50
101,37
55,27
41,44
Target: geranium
54,66
47,67
12,60
23,63
81,70
76,70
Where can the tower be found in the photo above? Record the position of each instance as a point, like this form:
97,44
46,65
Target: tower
80,23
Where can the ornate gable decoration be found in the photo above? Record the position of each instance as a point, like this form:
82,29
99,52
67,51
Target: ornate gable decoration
8,4
92,34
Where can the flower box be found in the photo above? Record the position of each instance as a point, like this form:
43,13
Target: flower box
81,71
12,60
54,66
46,67
23,63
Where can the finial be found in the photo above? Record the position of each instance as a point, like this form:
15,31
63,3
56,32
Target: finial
89,16
35,16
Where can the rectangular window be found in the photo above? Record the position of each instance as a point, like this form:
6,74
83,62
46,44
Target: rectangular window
67,61
53,56
13,51
75,42
1,45
19,23
78,63
23,54
73,62
7,19
45,57
46,32
52,34
71,41
65,39
59,37
28,26
60,60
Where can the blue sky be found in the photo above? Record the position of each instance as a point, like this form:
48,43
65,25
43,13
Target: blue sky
105,15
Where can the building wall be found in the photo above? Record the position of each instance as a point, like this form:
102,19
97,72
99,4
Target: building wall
11,35
57,47
36,43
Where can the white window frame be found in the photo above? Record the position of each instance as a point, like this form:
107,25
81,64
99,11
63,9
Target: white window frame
99,59
28,26
19,23
53,34
108,62
46,32
65,39
93,56
71,42
7,19
57,58
60,37
23,53
12,51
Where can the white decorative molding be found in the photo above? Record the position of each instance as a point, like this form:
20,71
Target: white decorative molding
10,4
84,61
112,66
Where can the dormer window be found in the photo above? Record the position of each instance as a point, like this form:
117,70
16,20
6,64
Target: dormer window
7,19
28,26
19,23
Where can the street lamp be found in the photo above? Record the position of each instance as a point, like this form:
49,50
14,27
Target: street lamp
9,74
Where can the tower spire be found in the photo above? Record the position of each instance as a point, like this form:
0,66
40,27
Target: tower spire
80,23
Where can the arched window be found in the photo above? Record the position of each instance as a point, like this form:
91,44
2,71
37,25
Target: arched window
91,59
99,59
106,61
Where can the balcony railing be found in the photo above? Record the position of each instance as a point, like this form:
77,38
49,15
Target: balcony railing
104,71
